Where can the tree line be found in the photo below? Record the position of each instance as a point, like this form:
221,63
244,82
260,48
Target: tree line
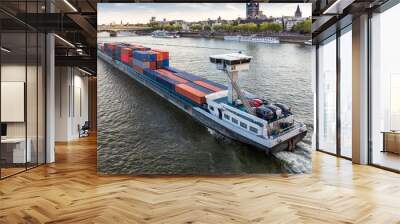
302,27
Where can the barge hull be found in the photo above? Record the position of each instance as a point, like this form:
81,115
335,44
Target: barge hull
194,111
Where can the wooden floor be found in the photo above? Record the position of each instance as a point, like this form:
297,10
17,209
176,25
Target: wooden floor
70,191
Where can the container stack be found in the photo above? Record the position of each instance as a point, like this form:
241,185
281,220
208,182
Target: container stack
109,49
162,58
126,55
163,78
154,64
144,59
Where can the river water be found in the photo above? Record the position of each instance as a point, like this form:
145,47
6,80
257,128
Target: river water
141,133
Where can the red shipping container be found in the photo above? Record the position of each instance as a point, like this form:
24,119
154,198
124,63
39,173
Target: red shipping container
208,86
126,51
164,54
171,75
153,65
191,93
125,59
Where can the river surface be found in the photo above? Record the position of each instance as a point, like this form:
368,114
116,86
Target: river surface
141,133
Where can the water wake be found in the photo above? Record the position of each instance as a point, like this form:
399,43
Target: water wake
298,161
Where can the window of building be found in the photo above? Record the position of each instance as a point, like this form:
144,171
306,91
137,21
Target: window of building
326,95
22,77
346,93
385,89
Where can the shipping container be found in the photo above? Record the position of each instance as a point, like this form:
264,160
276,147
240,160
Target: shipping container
218,85
167,82
171,75
191,93
150,73
200,88
153,65
165,63
159,64
142,64
164,54
208,85
145,56
126,55
183,74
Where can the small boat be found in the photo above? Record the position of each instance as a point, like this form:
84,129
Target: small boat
164,34
308,42
124,34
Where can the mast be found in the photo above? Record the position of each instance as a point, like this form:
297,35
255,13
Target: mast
231,64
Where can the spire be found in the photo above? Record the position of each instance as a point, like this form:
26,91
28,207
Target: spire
297,14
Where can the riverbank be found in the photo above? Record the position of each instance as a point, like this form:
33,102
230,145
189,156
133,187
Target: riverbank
297,39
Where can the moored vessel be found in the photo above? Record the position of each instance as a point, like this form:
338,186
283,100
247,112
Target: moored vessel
253,39
164,34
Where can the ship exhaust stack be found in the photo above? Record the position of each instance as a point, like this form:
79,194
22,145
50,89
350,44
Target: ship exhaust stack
232,64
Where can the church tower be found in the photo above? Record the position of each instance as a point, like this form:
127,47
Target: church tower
252,10
297,14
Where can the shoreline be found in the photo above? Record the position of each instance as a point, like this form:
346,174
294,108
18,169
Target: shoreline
282,38
295,39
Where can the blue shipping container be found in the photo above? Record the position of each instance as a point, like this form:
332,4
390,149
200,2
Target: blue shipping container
167,82
165,63
221,86
183,74
164,81
144,56
141,64
150,73
200,88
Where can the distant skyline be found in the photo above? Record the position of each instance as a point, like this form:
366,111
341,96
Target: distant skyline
190,12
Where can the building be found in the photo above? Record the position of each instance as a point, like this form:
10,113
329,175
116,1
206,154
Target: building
297,14
253,12
49,90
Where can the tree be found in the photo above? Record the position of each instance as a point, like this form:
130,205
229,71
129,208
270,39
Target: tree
207,27
196,27
303,27
275,27
248,27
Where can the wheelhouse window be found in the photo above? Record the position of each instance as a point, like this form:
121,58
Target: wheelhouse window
227,117
234,120
243,125
253,129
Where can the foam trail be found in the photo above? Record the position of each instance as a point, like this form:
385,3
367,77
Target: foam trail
298,161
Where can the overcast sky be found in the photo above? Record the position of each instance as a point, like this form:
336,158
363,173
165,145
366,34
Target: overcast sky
142,12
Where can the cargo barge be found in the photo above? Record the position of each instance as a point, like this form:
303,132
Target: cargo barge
228,110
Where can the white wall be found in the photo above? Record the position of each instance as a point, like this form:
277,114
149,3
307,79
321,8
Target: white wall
71,94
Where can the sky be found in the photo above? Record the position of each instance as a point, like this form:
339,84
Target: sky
190,12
